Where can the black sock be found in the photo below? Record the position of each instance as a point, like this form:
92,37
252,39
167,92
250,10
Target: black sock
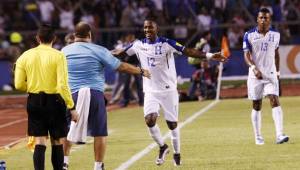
39,157
57,157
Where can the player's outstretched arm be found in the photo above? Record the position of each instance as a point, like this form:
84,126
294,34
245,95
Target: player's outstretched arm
191,52
131,69
118,52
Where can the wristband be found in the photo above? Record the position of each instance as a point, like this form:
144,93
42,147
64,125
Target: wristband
278,73
141,71
209,55
252,67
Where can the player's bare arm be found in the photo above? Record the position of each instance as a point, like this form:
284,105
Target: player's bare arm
191,52
128,68
250,63
118,53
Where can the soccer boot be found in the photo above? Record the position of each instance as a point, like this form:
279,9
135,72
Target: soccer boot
282,138
176,159
163,151
259,140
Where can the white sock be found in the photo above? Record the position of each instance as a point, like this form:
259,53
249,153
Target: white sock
278,120
66,159
97,165
156,135
256,122
175,140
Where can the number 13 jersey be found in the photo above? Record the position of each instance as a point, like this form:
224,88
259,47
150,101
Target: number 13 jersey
262,49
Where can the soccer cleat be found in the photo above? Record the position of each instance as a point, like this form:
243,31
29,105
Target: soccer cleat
65,166
176,159
282,138
163,151
259,140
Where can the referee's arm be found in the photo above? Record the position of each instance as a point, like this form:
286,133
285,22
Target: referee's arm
62,82
20,76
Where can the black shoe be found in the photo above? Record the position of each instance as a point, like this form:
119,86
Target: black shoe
176,158
163,151
65,166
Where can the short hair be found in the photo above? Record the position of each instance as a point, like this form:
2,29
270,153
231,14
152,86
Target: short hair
264,10
69,38
82,30
151,18
46,33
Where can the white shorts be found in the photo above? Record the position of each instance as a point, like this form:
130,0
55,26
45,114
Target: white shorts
257,89
168,101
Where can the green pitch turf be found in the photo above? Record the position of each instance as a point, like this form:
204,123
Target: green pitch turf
220,139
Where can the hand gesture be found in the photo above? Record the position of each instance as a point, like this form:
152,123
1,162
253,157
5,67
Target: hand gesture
257,73
74,115
146,73
219,57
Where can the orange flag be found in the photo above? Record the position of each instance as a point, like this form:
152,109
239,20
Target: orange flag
225,47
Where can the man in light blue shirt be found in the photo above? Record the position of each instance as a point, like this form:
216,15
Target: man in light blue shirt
86,63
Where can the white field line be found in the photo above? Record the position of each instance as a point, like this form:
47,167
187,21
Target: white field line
145,151
13,122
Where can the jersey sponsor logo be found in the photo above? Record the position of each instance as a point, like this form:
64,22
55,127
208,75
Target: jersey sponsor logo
144,49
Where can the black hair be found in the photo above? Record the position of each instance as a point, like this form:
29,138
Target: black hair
264,10
46,33
151,18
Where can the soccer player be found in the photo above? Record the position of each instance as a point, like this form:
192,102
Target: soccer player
86,63
42,72
261,46
156,54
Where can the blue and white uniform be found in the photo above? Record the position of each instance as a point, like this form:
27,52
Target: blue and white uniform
161,89
262,49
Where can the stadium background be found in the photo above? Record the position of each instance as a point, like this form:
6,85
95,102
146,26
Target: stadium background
182,20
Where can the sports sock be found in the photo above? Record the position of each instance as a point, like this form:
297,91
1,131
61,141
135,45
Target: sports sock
66,159
98,165
175,140
156,135
57,157
256,122
278,120
39,157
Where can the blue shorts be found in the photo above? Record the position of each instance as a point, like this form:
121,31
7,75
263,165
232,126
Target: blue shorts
97,121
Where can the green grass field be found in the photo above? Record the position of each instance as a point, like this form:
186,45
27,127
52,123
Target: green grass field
220,139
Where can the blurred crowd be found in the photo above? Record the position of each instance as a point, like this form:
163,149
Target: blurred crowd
179,19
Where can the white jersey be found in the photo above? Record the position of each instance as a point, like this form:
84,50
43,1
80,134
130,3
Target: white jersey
262,49
158,58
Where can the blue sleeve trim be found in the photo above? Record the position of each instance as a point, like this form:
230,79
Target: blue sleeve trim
129,46
174,44
246,40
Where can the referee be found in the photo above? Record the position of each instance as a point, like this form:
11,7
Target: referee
42,72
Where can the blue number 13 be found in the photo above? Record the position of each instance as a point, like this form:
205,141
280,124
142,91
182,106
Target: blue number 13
264,47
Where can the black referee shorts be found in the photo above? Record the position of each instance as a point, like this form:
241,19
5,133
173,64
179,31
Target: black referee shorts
46,113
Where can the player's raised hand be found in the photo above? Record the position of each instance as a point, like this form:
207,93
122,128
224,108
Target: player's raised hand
146,73
117,52
219,57
74,115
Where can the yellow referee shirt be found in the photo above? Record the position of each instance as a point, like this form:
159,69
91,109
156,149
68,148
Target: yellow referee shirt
43,69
